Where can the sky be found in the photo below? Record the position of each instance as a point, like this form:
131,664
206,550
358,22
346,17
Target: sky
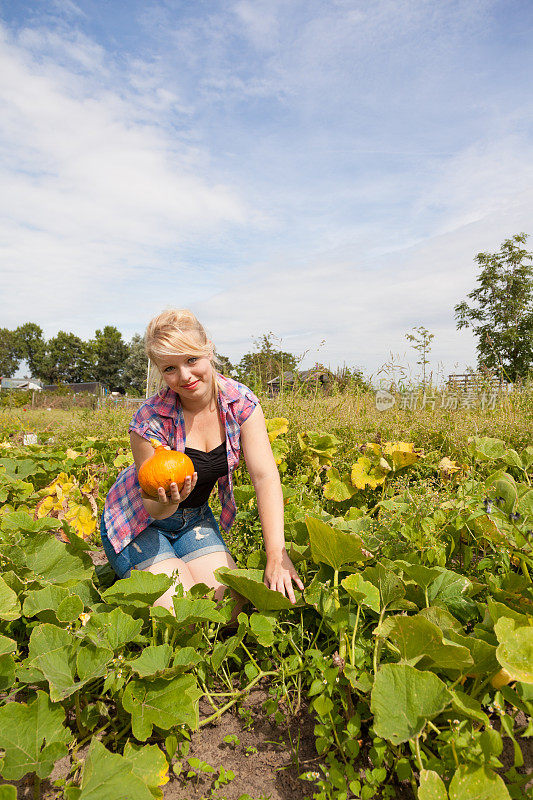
325,170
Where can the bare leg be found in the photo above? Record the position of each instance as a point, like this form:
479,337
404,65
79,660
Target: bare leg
169,566
202,570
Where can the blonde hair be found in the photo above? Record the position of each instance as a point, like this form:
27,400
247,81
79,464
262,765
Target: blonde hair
177,332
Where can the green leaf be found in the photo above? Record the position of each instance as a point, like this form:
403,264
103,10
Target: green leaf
486,448
337,488
390,586
70,608
108,775
431,786
24,522
33,737
52,650
8,792
9,604
140,590
501,484
149,763
263,629
162,703
7,672
483,654
468,707
333,547
91,662
249,584
52,561
112,628
418,638
403,699
152,660
477,783
48,598
363,592
423,576
7,645
515,651
187,611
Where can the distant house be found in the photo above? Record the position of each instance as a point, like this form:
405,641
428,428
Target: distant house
21,383
319,376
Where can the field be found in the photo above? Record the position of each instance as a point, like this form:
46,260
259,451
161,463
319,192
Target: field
405,670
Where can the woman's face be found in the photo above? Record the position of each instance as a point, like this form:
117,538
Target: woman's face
188,376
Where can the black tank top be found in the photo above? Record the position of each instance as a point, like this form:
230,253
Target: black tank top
210,467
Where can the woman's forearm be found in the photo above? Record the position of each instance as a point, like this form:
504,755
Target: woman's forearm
270,505
156,509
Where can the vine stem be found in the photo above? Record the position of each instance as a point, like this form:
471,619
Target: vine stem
418,755
238,695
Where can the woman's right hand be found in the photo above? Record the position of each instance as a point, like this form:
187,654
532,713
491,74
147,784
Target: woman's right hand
176,496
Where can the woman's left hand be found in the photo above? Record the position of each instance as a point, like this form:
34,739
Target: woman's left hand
279,574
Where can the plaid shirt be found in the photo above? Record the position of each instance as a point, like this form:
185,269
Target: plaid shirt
161,418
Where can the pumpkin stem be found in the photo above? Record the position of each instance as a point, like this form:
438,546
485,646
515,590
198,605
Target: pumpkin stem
155,444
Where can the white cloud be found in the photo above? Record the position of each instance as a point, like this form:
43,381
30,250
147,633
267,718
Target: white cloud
90,192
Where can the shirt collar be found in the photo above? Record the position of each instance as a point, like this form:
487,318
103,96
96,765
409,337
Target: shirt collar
167,402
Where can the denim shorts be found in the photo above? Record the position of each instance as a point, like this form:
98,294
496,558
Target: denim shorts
187,534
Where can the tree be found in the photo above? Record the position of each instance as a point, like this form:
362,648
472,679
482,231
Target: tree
31,345
68,359
504,311
136,366
9,353
226,367
265,363
422,340
110,355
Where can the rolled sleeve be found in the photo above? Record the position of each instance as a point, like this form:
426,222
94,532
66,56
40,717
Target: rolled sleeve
149,426
247,405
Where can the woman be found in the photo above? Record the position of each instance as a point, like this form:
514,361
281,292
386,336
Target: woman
211,418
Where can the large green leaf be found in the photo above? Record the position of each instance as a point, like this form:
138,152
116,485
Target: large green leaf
249,584
57,655
48,598
390,586
109,775
9,604
486,448
24,522
477,783
515,649
418,639
337,488
7,645
404,699
149,763
162,703
483,654
363,592
7,671
33,737
333,547
52,650
112,628
188,611
140,590
152,660
52,561
423,576
431,786
502,485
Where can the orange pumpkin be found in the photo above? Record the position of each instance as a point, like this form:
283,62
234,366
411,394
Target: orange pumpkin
163,468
